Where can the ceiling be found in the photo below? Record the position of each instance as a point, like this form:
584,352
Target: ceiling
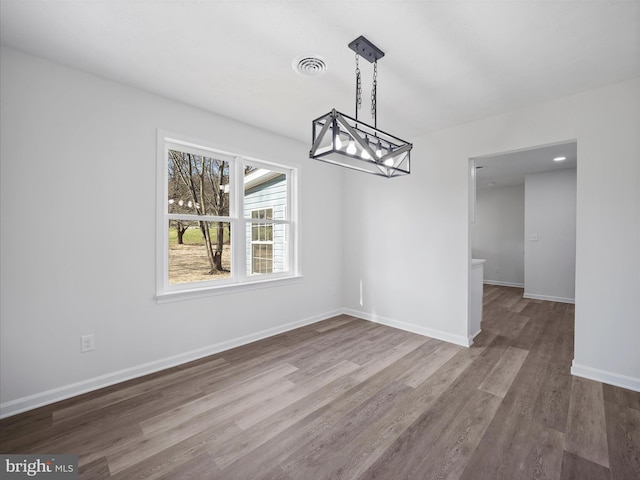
510,168
446,63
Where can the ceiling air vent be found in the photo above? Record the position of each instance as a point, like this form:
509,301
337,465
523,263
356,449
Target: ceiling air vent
309,65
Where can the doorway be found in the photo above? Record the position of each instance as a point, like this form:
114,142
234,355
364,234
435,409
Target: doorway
522,222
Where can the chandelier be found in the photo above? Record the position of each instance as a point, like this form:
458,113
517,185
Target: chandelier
346,141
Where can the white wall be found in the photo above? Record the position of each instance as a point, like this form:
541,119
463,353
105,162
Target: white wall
78,190
408,239
498,234
550,236
406,243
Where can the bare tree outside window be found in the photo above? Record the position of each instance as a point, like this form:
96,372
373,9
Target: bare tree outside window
199,185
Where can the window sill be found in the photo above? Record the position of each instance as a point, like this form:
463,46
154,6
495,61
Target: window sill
210,291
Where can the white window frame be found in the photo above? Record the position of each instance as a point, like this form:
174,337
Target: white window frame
239,279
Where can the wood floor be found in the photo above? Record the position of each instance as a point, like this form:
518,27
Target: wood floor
350,399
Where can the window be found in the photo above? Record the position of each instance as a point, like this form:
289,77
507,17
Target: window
262,242
224,219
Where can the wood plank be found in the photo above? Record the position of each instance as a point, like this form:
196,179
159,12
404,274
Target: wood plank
369,380
501,442
509,302
623,435
586,434
621,396
376,345
340,345
528,334
552,405
438,392
578,468
500,378
228,452
520,305
450,454
98,469
91,447
403,457
332,323
201,466
506,323
536,452
312,458
273,378
173,447
273,404
186,453
13,430
144,386
425,366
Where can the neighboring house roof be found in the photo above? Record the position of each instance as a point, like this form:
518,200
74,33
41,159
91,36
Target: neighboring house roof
258,177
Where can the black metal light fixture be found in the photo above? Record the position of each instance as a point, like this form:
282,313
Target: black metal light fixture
348,142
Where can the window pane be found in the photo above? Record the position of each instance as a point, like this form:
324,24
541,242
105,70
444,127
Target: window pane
270,253
197,184
261,258
265,194
190,260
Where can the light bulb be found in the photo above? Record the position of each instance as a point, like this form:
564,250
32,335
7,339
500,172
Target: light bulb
351,149
180,202
388,162
338,135
365,154
379,149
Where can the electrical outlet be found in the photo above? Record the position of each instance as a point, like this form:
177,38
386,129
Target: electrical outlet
88,343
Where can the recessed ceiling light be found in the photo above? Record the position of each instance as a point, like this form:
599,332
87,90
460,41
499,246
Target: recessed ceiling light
309,65
559,159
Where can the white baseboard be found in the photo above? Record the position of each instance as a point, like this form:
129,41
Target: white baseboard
603,376
548,298
410,327
472,337
503,284
61,393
